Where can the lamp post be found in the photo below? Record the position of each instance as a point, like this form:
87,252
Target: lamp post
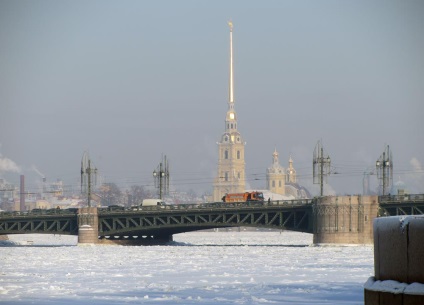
158,175
161,177
321,166
323,162
88,174
384,166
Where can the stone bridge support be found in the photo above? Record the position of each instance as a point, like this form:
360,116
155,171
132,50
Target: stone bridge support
344,219
398,262
88,226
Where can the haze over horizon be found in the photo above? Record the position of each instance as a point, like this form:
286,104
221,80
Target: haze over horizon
129,81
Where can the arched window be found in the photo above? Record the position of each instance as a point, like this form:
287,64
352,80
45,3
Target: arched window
226,176
238,154
226,154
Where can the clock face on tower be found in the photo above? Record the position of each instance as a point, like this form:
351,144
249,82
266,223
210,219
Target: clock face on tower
232,115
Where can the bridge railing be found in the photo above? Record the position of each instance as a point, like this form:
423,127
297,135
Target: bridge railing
36,212
209,206
387,199
181,207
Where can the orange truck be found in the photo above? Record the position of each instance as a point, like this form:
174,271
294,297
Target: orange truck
244,197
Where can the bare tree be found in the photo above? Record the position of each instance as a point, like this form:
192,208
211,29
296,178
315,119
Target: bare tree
110,194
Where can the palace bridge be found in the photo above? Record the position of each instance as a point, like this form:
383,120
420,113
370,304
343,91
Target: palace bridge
331,219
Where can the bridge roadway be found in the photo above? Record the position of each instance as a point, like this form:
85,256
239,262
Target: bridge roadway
162,222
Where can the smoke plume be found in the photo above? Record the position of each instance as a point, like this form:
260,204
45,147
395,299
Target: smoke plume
7,165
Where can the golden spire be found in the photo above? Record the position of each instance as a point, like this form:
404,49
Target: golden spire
231,93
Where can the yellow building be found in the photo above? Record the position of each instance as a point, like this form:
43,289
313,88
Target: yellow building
231,164
275,176
283,182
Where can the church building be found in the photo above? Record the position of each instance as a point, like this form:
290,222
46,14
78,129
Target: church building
281,184
231,164
275,176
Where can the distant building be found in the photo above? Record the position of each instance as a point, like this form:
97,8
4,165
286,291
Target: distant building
399,188
280,184
284,183
37,204
275,176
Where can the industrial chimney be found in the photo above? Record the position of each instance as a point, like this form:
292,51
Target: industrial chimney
22,194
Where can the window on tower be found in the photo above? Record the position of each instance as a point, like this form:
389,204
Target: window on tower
226,176
238,154
226,154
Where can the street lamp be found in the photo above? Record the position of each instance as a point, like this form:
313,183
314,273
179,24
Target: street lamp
321,166
161,176
384,166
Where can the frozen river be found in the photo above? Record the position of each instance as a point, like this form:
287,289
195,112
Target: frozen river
198,268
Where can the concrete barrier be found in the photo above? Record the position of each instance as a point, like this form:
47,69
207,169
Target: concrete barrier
398,262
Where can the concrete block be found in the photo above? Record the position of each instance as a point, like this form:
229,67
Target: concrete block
415,249
391,250
413,299
376,250
371,297
387,298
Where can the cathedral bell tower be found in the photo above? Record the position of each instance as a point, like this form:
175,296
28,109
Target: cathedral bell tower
231,175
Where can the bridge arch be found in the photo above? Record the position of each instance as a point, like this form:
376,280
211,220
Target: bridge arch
176,220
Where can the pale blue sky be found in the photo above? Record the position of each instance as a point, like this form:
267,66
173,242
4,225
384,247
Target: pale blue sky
130,80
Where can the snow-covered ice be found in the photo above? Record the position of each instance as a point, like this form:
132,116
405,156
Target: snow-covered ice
197,268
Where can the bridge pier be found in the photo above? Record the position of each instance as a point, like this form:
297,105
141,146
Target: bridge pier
88,226
344,219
